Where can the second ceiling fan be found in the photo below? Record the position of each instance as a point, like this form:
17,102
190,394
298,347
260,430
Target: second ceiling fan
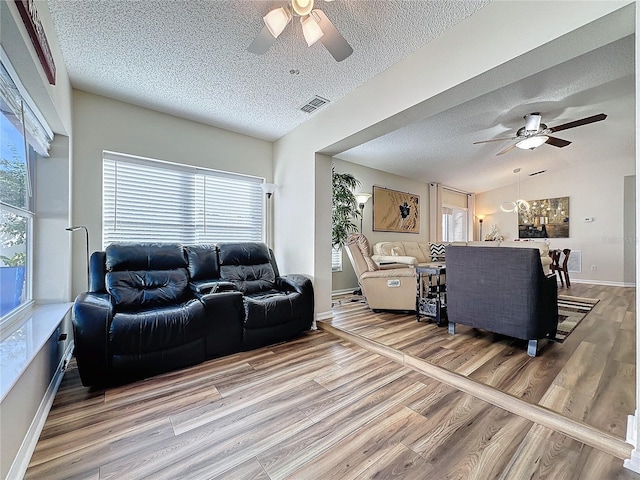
534,133
315,26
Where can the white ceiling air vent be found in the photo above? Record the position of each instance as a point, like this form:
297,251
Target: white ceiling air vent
314,104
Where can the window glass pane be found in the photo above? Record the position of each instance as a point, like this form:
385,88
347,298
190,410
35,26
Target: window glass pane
13,166
14,231
16,199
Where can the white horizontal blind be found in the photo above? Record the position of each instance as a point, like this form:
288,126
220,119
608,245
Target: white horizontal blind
20,109
147,200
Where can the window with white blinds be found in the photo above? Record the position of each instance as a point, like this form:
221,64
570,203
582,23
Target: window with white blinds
152,200
454,224
336,259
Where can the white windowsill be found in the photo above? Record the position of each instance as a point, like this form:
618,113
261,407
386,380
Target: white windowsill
21,347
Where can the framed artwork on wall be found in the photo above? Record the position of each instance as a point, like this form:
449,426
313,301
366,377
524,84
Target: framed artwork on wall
547,218
395,211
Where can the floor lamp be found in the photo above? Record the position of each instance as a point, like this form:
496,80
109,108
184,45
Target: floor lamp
75,228
362,198
481,218
268,189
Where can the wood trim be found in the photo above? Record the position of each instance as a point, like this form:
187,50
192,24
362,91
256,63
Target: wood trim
32,23
579,431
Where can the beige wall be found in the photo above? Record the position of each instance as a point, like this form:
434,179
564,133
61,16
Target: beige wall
369,177
596,190
105,124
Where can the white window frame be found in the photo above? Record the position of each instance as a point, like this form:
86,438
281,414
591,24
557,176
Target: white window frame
24,114
195,205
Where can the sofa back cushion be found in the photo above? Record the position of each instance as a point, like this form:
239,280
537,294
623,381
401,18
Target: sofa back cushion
146,275
247,265
203,262
389,248
418,250
144,256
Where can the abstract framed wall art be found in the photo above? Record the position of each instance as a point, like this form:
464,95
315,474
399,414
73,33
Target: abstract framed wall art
547,218
395,211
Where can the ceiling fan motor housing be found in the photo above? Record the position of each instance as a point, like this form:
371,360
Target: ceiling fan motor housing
532,122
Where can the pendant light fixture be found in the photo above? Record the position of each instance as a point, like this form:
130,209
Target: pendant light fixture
518,205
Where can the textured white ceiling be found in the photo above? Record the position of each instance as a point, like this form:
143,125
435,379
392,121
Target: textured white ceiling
188,58
440,148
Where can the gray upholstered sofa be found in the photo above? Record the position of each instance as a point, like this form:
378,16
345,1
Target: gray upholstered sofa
503,290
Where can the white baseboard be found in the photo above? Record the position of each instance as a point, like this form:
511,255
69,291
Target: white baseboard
324,315
23,457
343,291
633,463
632,433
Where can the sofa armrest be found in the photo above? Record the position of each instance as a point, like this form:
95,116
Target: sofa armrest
91,318
225,320
404,259
296,283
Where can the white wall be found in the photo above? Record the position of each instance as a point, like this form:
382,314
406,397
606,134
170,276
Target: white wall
369,177
104,124
596,191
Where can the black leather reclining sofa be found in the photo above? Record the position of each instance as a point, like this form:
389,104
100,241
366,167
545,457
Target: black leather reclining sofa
152,308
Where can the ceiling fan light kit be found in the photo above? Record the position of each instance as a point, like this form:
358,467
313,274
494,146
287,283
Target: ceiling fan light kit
311,30
532,142
315,26
276,20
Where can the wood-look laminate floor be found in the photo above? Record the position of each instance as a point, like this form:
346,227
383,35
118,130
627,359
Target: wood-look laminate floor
590,377
316,407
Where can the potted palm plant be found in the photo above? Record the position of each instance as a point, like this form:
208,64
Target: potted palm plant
344,207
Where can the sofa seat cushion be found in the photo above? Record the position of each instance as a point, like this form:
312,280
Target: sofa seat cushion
143,289
157,329
273,308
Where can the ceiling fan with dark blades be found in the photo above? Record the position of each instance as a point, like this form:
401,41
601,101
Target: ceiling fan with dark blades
534,133
315,26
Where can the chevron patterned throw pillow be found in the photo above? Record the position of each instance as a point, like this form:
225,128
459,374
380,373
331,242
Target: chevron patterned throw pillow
437,251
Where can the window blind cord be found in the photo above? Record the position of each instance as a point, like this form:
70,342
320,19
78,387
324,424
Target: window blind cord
26,151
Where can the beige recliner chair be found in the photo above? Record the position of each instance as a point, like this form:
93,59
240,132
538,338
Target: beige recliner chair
390,287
